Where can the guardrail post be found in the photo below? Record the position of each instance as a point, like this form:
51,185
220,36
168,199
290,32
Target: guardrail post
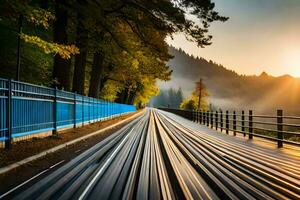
82,110
243,123
8,141
217,121
200,117
221,119
227,122
193,116
279,128
54,132
207,118
212,119
234,123
250,124
89,109
74,110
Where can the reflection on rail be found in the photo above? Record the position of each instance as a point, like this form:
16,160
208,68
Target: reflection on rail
160,155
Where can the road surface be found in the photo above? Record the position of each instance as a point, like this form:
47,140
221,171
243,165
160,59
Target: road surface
162,156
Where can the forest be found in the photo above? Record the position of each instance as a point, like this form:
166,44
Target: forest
110,49
229,90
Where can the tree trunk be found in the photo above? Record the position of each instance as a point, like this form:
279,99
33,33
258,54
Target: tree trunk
80,59
122,96
104,78
62,68
132,96
96,75
200,96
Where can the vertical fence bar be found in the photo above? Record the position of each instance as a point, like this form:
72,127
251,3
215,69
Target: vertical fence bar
193,115
279,128
200,117
243,123
212,119
82,110
8,142
74,111
54,132
227,122
217,121
89,110
207,118
221,119
234,123
250,124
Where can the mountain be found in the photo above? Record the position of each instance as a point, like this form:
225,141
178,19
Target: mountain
229,90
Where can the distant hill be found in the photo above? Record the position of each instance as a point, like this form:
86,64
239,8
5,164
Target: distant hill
230,90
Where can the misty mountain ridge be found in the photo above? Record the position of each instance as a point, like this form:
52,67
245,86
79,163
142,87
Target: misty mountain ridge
229,90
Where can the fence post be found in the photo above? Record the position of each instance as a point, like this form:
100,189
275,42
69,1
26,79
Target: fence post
193,115
243,123
234,123
279,128
82,110
89,109
8,142
227,122
54,132
207,118
221,119
250,124
200,117
74,112
212,119
217,121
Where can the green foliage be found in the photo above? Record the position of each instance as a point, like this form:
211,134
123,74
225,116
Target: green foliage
188,104
129,34
199,96
65,51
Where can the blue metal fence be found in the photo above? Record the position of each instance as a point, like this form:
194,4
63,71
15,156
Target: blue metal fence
28,109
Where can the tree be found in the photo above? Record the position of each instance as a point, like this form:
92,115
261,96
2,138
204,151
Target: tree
200,92
188,104
198,99
38,18
168,98
145,21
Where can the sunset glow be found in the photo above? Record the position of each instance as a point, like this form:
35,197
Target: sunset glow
250,44
292,62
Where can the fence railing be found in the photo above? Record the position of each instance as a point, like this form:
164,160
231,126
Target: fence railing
29,109
279,128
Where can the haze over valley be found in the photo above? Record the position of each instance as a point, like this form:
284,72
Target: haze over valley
230,90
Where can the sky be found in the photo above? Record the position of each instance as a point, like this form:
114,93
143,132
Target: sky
261,35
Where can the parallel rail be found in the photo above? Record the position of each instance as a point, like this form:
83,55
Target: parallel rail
160,155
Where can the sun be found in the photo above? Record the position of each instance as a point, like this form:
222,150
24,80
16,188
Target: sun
292,62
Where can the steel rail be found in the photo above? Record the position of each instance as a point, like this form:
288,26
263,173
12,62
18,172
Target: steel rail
160,155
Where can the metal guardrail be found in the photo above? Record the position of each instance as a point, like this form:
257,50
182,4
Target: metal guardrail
29,109
277,128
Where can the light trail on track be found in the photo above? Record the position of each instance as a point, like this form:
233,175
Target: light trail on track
163,156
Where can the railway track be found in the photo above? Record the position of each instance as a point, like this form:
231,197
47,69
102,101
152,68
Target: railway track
162,156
